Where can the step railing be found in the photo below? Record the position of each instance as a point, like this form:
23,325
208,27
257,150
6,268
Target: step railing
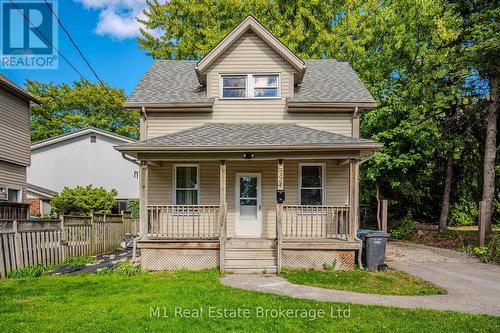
315,222
183,221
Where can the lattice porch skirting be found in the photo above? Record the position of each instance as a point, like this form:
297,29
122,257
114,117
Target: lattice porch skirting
315,259
173,259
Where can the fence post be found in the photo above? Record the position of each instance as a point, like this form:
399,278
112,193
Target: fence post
64,239
385,205
92,235
106,233
482,223
18,247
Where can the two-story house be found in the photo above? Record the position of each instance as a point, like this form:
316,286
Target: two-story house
249,158
14,148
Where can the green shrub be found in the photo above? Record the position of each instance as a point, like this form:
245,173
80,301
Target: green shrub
83,200
404,229
77,261
463,212
122,269
490,253
133,207
25,272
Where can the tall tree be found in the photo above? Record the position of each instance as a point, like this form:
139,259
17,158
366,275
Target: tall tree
66,108
482,45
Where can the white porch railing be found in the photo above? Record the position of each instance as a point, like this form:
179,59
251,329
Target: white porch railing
183,221
315,222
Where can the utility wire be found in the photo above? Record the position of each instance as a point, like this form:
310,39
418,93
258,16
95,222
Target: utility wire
61,54
49,42
77,48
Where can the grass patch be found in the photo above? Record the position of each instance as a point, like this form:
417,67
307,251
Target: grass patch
109,303
392,282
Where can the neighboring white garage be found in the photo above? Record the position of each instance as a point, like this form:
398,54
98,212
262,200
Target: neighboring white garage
84,157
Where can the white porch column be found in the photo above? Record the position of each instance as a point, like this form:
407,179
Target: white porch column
353,196
143,200
222,213
279,212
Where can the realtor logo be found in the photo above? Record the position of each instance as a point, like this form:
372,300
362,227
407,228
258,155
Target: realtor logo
28,34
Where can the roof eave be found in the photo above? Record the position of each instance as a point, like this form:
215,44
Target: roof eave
324,105
254,148
187,105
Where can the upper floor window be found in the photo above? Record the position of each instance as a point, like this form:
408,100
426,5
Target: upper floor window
250,86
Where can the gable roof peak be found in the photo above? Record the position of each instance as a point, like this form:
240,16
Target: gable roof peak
250,23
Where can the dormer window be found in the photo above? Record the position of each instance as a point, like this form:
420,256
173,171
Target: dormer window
234,86
250,86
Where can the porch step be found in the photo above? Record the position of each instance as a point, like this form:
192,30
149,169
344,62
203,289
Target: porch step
250,243
247,270
250,254
251,263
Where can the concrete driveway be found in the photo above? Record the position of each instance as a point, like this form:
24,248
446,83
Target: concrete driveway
472,287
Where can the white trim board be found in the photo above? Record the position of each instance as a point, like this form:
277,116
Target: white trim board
76,134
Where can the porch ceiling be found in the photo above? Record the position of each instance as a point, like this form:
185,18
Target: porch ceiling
237,137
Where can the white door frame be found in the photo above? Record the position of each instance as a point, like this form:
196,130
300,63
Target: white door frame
258,175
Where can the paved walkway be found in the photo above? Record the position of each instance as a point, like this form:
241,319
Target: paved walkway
473,287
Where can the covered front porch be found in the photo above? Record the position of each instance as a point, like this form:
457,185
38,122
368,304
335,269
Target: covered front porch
250,208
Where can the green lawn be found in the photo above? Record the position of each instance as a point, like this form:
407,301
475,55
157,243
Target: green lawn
393,282
109,303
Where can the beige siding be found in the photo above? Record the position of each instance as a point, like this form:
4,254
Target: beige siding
337,186
250,54
13,175
14,129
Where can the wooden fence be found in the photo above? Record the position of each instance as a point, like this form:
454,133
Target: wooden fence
49,242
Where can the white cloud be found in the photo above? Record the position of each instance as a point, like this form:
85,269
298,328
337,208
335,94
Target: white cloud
117,18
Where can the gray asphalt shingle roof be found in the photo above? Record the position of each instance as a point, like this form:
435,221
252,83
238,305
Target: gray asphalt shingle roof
331,81
250,135
325,81
168,81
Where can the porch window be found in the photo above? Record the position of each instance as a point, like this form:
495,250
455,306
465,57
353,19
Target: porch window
234,86
186,185
311,184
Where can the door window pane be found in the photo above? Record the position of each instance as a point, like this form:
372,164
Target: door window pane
248,187
248,208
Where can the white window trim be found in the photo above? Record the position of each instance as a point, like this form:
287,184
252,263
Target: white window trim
323,181
174,182
249,86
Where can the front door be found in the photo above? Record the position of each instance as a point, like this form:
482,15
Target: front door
248,205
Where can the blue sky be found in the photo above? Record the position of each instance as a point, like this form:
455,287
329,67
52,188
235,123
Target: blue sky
105,31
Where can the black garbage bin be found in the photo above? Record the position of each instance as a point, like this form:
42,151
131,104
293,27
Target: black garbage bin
374,244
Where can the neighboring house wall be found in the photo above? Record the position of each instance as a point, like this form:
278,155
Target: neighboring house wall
77,161
13,176
250,54
14,129
14,141
336,186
